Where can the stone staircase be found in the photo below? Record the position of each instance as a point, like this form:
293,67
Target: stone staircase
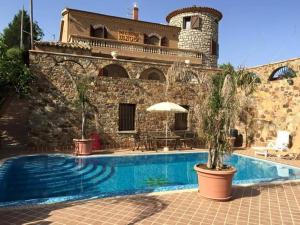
13,125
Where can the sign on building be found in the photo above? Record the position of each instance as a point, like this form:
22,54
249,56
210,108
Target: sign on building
128,36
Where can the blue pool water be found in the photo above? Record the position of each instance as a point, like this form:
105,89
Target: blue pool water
55,178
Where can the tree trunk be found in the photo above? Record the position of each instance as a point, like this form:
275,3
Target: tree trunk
209,159
83,123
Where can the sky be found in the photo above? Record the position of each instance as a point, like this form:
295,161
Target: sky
252,32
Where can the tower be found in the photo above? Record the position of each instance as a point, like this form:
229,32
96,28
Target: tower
199,31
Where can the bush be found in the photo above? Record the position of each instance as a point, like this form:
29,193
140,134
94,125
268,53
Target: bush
13,72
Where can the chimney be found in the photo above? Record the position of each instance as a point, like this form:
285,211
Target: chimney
135,12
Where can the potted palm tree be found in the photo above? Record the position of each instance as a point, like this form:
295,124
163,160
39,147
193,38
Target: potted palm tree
219,113
83,146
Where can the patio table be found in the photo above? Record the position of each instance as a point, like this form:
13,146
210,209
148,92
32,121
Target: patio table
174,138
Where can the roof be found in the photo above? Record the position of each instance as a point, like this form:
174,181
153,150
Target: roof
121,18
195,9
63,45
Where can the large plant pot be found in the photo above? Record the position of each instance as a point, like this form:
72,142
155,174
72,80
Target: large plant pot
83,146
215,184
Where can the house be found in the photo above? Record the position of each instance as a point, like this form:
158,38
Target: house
129,64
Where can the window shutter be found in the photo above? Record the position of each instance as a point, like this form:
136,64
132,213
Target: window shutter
196,22
126,117
164,41
104,32
214,47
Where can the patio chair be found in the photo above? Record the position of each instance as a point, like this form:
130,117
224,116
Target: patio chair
187,139
143,139
279,145
291,156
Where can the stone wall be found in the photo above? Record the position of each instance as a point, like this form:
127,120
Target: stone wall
199,39
55,120
276,103
277,106
265,71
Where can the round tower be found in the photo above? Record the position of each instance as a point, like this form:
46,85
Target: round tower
199,31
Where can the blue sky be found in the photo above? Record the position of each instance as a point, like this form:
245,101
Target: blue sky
252,32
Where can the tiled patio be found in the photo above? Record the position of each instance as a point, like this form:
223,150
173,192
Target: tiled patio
263,204
272,204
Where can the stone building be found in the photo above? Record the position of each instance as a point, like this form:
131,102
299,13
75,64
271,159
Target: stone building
129,64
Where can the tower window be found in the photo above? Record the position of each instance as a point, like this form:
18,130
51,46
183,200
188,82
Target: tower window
214,48
196,22
192,22
187,22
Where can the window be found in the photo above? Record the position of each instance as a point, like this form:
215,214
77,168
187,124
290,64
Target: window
196,22
181,120
190,78
153,74
187,22
192,22
126,117
99,31
164,41
282,72
214,48
114,71
152,40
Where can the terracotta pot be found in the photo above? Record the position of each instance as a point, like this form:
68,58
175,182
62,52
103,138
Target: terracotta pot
83,146
215,184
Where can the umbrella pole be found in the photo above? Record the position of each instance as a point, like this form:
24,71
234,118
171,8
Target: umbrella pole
167,130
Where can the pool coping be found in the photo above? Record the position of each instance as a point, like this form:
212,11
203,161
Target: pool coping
139,154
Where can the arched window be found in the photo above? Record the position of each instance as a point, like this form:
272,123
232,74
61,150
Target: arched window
152,39
281,73
153,74
99,31
114,71
190,78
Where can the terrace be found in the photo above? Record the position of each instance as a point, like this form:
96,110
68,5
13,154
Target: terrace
257,204
135,50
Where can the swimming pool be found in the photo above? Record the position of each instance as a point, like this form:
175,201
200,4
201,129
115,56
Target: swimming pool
44,179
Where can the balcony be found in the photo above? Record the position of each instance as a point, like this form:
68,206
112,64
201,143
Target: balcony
136,50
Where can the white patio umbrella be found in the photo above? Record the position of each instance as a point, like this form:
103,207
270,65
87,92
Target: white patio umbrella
167,107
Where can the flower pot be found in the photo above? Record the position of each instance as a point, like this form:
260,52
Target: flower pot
83,146
215,184
114,54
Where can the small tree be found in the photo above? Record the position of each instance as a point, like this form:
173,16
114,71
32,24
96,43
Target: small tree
11,34
82,102
13,72
221,109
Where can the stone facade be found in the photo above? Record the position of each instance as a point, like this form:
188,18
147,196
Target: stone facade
79,22
142,40
265,71
54,119
276,103
199,39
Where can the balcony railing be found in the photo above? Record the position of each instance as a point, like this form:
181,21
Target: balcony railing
135,47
